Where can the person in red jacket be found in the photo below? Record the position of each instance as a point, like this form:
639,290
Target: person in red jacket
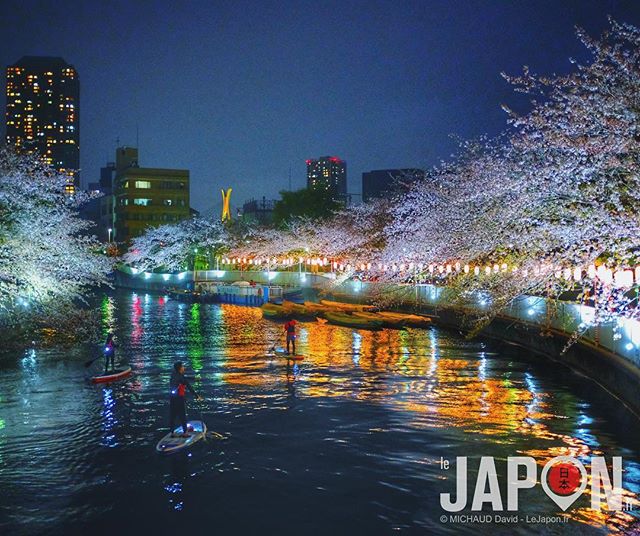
178,386
290,330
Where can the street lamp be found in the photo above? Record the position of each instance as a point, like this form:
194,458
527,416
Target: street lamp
195,257
110,230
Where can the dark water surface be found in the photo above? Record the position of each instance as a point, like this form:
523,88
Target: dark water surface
347,442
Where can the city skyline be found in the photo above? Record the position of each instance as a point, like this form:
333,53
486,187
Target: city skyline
232,96
42,112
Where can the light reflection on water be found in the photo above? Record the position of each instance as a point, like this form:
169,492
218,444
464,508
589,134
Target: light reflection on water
347,440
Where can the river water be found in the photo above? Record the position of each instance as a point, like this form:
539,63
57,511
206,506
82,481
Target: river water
349,441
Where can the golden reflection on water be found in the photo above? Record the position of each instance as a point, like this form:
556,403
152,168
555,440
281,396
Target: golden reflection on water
441,385
433,379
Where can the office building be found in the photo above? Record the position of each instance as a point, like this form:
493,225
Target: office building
106,223
146,197
383,182
43,112
328,173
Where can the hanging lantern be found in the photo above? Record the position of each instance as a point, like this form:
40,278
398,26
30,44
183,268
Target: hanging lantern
605,275
577,274
623,278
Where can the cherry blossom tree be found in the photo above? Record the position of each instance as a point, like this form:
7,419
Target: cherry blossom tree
558,190
172,247
49,262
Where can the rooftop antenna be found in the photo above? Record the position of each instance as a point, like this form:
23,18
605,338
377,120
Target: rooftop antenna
118,142
289,177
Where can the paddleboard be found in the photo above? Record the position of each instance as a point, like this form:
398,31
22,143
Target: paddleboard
169,445
283,354
117,374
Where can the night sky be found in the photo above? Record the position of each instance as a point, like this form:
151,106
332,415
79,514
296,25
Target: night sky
241,92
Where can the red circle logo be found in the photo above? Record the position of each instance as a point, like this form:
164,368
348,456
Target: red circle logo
564,478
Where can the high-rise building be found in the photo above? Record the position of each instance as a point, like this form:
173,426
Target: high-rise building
42,113
381,182
328,173
146,197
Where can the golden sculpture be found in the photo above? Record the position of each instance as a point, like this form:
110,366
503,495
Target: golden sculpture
226,207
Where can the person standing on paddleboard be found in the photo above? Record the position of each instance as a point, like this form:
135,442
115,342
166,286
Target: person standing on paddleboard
290,329
109,352
177,407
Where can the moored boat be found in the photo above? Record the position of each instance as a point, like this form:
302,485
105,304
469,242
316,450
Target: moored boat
274,311
409,320
347,307
387,322
351,321
295,309
316,308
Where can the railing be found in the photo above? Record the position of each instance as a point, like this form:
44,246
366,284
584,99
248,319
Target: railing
620,336
243,294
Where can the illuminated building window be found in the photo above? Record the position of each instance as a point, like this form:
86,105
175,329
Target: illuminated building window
142,201
143,184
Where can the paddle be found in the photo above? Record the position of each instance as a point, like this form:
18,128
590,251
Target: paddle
92,361
209,432
204,436
279,339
